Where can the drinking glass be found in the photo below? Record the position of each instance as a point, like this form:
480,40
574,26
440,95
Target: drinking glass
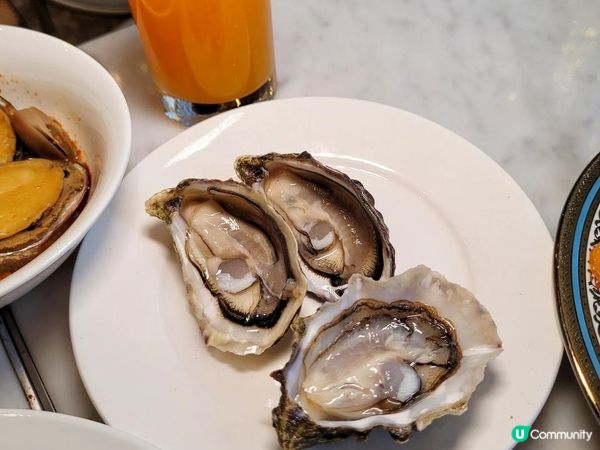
207,56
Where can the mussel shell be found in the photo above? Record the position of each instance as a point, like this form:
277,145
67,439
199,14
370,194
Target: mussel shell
43,136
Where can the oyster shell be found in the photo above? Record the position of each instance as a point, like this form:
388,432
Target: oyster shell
393,354
334,220
239,262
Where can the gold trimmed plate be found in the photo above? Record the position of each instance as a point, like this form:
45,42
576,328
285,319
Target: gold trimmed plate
577,280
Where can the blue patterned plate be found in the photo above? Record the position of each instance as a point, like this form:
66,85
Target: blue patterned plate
577,279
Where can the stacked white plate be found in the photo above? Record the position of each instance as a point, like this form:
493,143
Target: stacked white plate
97,6
29,430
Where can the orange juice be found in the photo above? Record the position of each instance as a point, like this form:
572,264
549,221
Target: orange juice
207,51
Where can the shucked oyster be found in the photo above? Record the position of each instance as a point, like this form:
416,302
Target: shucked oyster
395,354
334,220
239,262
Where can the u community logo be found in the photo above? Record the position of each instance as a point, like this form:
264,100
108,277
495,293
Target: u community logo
521,433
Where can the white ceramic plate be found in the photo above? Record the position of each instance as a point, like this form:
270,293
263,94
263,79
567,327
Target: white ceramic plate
36,430
447,205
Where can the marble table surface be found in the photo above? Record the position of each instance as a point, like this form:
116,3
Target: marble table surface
519,79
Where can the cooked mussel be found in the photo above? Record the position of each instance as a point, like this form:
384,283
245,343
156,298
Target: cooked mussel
40,133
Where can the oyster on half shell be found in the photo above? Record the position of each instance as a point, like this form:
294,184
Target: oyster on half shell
334,220
239,262
393,354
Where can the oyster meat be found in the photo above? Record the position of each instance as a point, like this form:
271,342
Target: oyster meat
393,354
239,262
334,220
43,184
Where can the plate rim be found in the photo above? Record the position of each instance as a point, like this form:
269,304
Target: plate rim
573,341
78,422
95,8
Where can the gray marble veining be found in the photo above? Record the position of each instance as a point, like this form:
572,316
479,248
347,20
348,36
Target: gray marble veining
519,79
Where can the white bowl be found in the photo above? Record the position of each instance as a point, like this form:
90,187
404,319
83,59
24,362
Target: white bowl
29,430
66,83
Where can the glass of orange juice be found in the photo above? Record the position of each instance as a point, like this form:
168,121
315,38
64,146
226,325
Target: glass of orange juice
207,56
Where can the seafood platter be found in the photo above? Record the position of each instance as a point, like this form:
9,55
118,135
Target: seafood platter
395,352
